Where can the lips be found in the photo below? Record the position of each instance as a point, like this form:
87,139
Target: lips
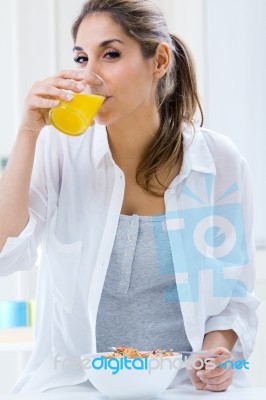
106,99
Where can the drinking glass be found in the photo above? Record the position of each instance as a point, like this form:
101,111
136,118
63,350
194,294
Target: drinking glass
74,117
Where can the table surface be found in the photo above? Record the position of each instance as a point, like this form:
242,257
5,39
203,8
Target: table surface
169,394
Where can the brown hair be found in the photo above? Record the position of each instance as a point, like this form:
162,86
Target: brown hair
177,96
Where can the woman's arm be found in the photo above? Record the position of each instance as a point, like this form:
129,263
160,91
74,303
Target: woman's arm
15,182
14,187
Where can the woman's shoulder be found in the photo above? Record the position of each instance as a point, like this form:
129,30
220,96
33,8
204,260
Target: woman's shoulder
219,143
222,148
215,151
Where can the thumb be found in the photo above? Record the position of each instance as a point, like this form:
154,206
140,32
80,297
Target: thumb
220,351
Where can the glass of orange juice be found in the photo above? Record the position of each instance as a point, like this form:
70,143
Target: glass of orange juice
74,118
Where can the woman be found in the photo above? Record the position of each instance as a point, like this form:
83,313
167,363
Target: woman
115,210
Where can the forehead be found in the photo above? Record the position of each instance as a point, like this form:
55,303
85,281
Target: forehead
98,27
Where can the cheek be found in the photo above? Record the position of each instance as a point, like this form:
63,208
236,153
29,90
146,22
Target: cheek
130,78
122,79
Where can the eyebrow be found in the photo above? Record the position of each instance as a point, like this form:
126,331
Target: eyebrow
102,44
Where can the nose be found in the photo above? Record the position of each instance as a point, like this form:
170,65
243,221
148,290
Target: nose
91,78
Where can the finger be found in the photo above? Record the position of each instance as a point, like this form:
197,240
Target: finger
220,369
218,379
48,91
39,102
221,354
55,87
194,360
220,387
211,373
223,363
220,365
200,385
220,350
70,74
68,84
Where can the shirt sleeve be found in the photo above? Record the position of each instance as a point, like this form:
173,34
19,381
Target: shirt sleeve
240,313
20,253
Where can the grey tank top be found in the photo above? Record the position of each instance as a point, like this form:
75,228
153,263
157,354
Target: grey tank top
139,305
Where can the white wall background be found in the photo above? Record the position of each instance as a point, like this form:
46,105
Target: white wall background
235,85
228,41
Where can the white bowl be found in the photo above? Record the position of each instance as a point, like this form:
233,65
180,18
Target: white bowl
145,379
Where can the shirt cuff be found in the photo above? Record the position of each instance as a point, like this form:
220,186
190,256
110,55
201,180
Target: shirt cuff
13,243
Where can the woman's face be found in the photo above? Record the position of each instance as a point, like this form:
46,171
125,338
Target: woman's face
102,47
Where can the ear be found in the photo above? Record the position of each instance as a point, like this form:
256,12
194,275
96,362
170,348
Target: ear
162,59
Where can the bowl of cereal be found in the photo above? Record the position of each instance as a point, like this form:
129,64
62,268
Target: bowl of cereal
127,373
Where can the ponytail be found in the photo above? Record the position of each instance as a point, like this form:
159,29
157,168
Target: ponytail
185,95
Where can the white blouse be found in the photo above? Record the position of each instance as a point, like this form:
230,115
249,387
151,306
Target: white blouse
75,200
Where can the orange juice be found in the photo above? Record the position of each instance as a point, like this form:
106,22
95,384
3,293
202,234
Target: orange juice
73,118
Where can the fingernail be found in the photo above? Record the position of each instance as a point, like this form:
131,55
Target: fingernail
200,375
80,86
69,96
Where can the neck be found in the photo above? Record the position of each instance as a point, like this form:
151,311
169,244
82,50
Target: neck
130,138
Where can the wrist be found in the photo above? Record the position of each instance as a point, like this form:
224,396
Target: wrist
26,133
225,338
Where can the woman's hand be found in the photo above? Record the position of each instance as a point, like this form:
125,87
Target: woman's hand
46,94
217,379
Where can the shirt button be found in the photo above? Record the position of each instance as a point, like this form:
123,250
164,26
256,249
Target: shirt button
133,223
124,268
172,191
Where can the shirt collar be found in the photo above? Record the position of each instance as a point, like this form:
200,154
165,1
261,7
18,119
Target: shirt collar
197,155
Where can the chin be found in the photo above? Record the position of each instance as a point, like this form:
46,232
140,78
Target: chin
104,119
101,121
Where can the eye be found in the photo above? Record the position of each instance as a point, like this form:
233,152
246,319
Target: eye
111,54
80,59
